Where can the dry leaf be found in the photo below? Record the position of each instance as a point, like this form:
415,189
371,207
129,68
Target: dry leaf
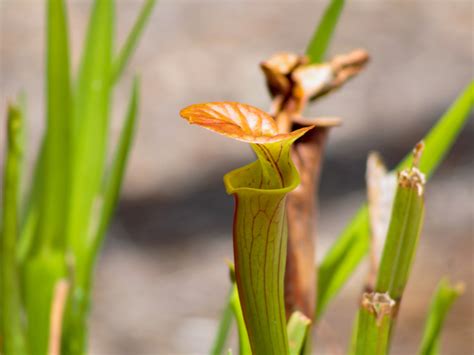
381,187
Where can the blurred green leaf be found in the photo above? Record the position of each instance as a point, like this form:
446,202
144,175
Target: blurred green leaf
244,344
22,103
342,259
113,182
442,136
355,329
11,327
297,328
43,241
321,39
54,190
89,150
71,200
224,327
31,213
132,40
41,273
91,123
352,246
443,299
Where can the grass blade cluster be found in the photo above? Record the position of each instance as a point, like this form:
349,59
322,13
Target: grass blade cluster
375,320
73,193
353,244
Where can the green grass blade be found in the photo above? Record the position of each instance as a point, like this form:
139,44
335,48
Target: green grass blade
443,135
443,299
352,245
321,39
132,40
223,330
244,344
402,239
113,182
297,328
355,328
378,309
12,331
22,103
40,274
342,259
41,250
54,189
91,124
31,213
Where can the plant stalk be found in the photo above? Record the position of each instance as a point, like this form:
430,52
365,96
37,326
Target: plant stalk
378,310
443,299
12,336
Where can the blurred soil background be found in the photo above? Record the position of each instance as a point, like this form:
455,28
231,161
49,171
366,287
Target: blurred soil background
162,279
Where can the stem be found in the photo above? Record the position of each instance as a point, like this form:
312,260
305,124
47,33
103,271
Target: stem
12,331
446,294
224,326
378,310
402,239
298,325
244,345
375,317
75,322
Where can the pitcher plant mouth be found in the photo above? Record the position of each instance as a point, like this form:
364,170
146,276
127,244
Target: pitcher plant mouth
234,187
273,172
